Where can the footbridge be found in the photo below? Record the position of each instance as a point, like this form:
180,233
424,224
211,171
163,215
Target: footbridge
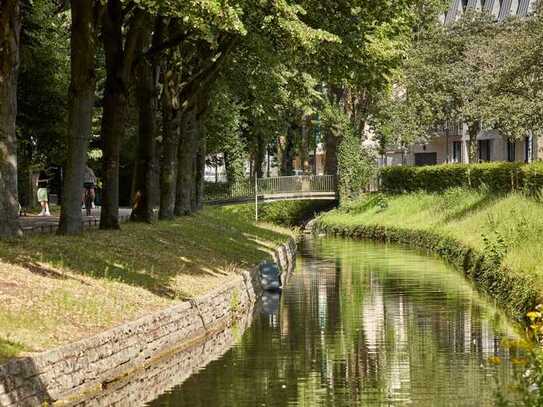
302,187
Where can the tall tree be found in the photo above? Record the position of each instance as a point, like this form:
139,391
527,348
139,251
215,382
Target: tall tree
10,29
147,96
85,16
171,116
122,29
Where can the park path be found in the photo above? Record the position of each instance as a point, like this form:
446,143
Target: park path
48,224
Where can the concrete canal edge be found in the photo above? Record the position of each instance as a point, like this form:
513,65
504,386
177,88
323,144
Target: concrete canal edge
515,293
80,370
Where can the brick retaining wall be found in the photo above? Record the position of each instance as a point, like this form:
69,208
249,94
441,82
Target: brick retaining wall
84,369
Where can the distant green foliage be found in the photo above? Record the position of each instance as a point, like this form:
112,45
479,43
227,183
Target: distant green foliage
285,213
356,164
43,84
496,177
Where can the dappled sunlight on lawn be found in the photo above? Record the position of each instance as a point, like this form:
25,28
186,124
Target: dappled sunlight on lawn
55,289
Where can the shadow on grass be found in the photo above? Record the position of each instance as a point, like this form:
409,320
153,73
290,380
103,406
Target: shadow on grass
148,256
484,202
9,349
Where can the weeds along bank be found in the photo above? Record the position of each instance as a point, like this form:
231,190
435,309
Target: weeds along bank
493,237
57,289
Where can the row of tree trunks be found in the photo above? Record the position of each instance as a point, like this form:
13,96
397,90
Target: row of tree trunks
186,153
120,55
171,120
10,29
81,103
146,180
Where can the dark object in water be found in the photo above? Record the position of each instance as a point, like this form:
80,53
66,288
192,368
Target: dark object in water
270,276
270,302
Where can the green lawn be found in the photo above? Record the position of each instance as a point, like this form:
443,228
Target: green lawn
56,289
512,224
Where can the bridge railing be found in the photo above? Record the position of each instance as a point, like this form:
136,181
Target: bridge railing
244,190
297,184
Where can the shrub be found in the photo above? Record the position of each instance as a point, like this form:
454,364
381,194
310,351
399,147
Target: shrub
496,177
285,213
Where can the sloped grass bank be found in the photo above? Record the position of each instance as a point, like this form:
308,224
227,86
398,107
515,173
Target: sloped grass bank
494,239
56,289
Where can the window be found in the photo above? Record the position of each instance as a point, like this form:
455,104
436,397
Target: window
484,150
457,152
425,159
511,151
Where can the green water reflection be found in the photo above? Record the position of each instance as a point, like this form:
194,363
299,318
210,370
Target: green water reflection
361,324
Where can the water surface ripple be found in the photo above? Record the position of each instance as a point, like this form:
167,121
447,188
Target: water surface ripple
361,324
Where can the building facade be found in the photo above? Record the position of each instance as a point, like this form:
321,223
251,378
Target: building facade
450,145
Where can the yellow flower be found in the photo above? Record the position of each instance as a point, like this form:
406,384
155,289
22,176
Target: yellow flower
533,315
495,360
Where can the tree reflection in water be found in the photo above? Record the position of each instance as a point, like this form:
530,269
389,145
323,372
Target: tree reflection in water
361,324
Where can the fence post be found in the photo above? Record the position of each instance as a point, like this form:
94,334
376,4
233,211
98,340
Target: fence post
256,198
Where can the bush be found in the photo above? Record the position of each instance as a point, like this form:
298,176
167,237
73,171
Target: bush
494,177
285,213
356,167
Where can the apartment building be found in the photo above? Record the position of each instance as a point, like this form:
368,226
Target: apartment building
450,145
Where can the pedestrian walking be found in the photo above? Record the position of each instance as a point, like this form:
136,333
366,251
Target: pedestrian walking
43,193
89,185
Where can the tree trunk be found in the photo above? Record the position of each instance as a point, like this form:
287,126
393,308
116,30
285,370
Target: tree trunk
260,155
473,131
287,158
119,60
144,199
81,103
24,175
331,145
304,146
186,152
10,29
199,173
171,117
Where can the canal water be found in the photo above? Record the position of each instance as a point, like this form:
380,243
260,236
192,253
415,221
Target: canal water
361,324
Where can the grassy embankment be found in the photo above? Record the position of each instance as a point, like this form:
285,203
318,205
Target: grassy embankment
56,289
494,239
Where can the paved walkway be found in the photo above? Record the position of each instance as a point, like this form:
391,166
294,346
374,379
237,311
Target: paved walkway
49,224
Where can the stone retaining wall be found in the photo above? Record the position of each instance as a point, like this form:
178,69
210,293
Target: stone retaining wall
85,369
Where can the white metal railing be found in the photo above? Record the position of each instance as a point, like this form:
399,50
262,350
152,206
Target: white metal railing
294,184
287,187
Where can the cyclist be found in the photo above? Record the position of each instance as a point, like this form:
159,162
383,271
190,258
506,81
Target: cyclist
89,183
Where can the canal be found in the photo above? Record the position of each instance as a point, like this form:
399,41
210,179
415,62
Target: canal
361,324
